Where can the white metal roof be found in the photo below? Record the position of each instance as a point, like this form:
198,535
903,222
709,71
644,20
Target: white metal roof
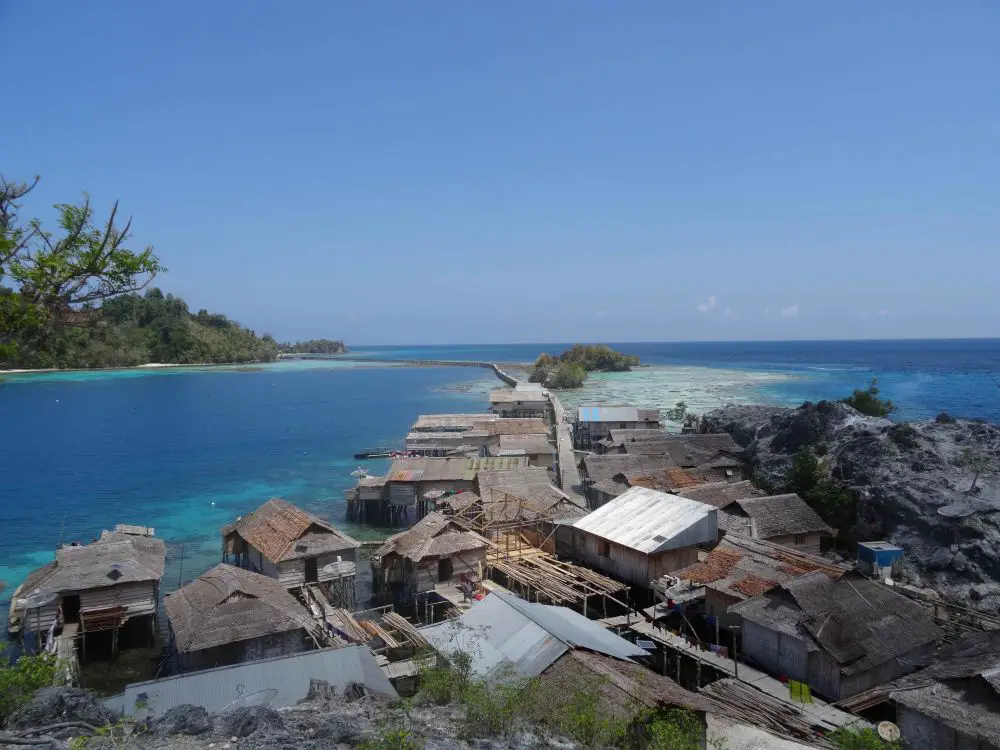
503,633
285,678
650,521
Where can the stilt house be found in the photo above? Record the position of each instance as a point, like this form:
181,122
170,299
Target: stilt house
436,550
643,534
284,542
108,588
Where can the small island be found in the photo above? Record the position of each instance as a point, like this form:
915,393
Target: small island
569,369
313,346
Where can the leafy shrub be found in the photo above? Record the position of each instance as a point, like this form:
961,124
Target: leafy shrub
905,436
674,730
861,738
867,401
20,681
944,418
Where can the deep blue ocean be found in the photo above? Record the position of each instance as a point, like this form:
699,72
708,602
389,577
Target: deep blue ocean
185,450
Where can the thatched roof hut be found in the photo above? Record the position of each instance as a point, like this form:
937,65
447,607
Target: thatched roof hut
224,616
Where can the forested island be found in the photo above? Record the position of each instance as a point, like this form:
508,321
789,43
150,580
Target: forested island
313,346
569,369
70,298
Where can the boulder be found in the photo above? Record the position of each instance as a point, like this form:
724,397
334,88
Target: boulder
53,705
190,720
912,482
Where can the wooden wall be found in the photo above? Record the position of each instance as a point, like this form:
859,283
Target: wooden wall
627,564
810,543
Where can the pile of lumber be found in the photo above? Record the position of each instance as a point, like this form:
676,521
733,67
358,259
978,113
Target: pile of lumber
403,626
344,622
751,706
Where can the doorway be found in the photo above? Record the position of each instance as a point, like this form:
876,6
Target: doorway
71,608
312,573
445,569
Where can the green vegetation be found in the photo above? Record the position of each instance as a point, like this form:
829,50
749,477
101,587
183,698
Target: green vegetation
507,703
135,329
867,401
20,681
861,738
313,346
68,298
810,480
569,369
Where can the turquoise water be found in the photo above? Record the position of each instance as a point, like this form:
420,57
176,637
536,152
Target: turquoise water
187,449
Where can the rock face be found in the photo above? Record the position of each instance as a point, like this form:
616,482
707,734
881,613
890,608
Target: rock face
54,705
913,483
323,721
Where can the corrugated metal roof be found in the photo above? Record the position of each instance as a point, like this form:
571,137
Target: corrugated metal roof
214,689
504,633
650,521
608,414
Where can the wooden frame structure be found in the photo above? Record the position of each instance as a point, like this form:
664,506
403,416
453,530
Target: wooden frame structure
517,535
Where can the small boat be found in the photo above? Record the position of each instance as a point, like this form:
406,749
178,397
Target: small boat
375,453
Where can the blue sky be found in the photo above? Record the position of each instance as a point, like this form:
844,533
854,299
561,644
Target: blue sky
401,172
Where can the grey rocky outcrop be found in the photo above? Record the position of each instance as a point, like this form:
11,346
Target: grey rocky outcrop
324,721
913,483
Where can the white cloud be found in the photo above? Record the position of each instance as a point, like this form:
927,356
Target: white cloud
883,313
728,314
602,313
708,304
767,312
792,311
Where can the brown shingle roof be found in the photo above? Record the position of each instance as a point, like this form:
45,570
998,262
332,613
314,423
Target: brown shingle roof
861,624
433,536
739,565
781,515
228,604
601,467
665,480
623,688
514,427
278,530
721,494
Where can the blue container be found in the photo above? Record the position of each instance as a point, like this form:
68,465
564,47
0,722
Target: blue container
882,554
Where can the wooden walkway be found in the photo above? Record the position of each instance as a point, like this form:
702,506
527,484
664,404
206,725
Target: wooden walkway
67,664
819,713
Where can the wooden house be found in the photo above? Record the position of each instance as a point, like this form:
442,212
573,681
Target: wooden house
594,423
643,534
536,448
411,480
434,551
229,615
524,400
953,704
107,591
782,519
840,637
297,548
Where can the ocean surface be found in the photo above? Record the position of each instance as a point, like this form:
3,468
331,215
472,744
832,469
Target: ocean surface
185,450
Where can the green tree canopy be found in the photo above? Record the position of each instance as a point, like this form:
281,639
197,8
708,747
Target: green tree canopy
867,401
